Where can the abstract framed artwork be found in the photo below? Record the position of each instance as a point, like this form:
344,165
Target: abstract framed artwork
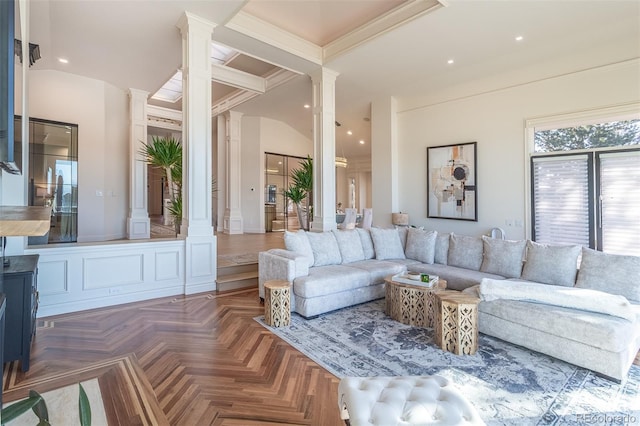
451,182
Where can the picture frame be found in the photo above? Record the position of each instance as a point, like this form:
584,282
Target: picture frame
452,191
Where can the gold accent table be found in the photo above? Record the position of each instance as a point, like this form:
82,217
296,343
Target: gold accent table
456,328
277,303
412,304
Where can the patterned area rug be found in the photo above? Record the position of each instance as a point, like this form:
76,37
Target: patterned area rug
508,385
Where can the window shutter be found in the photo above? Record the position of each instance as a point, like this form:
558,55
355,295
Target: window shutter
561,199
620,198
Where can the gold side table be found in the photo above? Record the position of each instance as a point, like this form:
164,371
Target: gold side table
277,303
412,304
456,328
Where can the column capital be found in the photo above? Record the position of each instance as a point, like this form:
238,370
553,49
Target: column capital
137,92
188,20
323,74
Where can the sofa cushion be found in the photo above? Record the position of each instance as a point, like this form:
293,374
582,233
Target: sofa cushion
615,274
325,248
600,330
367,243
551,264
349,245
378,270
387,243
503,257
298,243
442,249
421,245
465,252
457,278
330,280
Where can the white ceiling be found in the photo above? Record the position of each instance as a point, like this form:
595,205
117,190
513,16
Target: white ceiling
136,44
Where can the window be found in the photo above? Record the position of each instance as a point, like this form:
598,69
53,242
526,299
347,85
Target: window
585,185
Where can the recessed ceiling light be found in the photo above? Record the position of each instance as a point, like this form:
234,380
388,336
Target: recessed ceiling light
519,38
450,61
279,162
349,132
63,60
361,142
307,106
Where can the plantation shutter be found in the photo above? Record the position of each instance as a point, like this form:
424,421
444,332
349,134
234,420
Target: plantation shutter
561,199
620,198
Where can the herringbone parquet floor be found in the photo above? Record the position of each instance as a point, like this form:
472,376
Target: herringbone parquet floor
188,360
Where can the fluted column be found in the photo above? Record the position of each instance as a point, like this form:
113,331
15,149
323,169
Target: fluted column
324,150
233,223
200,243
138,224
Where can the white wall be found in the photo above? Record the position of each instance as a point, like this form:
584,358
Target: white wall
496,122
101,113
260,135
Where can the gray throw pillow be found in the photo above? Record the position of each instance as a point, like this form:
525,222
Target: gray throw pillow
442,249
503,257
367,243
298,243
421,245
551,264
611,273
465,252
350,245
325,248
387,244
402,232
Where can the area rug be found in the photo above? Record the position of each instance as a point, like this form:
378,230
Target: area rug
62,406
508,384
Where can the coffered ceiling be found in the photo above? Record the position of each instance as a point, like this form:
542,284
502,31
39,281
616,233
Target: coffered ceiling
380,48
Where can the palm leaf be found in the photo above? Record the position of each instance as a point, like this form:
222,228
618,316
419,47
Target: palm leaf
84,407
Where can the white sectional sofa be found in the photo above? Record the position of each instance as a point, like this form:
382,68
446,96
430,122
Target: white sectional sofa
333,270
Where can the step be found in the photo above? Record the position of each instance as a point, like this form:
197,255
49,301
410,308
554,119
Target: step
237,280
233,269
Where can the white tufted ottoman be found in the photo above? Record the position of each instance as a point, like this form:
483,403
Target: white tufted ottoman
411,400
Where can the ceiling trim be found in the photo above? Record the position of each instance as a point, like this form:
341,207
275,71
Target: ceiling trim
164,118
239,79
263,31
238,97
402,14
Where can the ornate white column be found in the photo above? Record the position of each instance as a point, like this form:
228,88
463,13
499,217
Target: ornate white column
138,225
324,150
200,243
233,138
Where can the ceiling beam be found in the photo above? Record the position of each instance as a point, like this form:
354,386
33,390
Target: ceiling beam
236,78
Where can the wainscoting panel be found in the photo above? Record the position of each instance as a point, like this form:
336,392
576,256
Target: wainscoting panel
110,271
83,276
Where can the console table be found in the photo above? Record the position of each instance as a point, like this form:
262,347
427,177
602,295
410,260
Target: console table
20,288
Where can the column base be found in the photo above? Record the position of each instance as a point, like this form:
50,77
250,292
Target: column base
138,228
200,264
233,225
322,224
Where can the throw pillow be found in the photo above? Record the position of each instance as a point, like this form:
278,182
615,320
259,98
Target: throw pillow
549,264
611,273
402,232
503,257
387,244
465,252
298,243
367,243
349,245
421,245
442,249
325,248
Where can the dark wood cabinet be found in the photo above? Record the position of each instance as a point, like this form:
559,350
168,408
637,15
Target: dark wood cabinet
20,288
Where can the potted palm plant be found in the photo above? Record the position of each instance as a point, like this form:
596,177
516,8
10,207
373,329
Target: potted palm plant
300,191
165,153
